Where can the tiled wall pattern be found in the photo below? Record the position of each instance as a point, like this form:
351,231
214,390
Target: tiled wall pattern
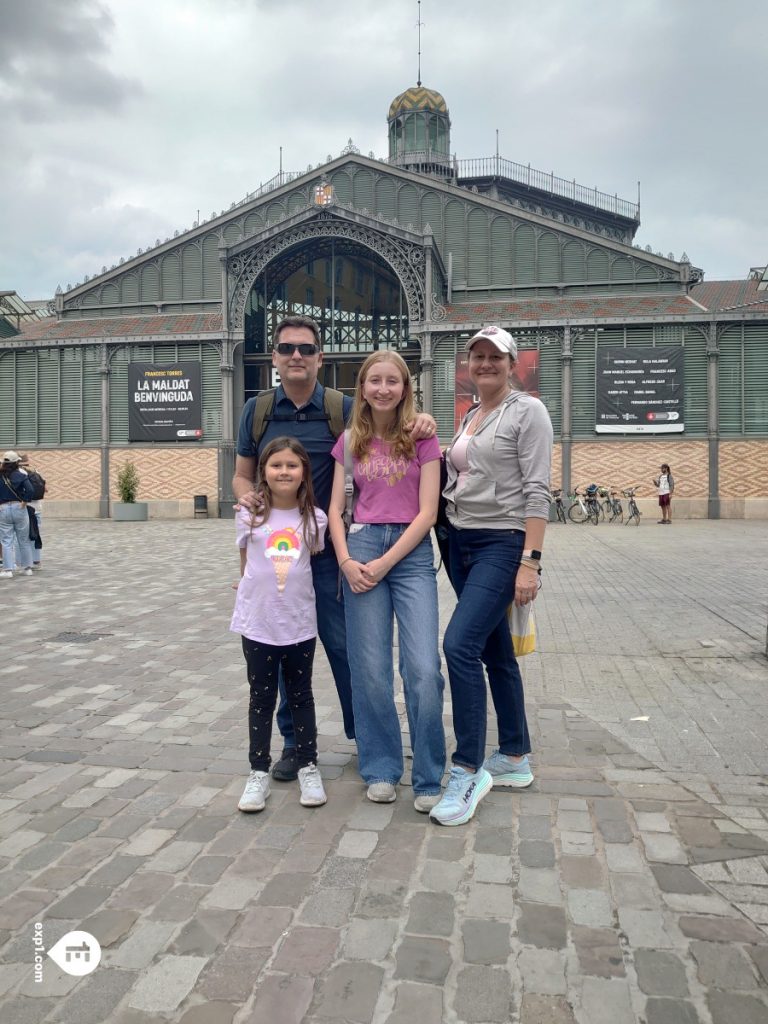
630,463
557,466
743,469
164,473
167,473
72,474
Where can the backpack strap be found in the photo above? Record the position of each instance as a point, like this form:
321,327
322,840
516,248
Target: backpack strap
333,403
348,515
264,407
265,403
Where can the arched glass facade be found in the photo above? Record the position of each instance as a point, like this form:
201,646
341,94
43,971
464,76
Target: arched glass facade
349,290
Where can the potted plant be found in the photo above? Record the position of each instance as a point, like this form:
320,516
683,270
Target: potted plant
128,510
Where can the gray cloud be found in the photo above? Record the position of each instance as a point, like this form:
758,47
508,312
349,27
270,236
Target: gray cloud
53,61
154,110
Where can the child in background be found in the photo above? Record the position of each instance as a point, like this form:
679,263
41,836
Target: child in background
275,614
666,485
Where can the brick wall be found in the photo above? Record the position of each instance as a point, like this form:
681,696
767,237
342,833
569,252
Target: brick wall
627,463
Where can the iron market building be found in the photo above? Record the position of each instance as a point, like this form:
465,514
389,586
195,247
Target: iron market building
416,252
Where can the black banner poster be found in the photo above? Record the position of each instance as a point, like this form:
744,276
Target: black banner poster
165,403
639,390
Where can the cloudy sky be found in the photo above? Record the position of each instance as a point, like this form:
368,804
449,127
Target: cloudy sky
122,118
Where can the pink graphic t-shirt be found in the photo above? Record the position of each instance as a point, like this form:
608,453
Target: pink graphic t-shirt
388,488
275,601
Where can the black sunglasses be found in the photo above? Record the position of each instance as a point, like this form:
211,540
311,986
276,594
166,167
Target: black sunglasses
285,348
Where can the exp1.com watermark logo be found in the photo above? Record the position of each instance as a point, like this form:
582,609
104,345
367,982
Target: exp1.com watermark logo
76,953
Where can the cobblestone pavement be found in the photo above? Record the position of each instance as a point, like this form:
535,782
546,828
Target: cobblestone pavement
629,884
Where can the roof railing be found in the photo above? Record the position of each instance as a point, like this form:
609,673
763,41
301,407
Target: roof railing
524,174
487,167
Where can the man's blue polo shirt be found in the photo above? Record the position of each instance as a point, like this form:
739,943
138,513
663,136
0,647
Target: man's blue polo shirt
314,434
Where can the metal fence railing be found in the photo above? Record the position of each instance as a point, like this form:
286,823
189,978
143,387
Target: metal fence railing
497,167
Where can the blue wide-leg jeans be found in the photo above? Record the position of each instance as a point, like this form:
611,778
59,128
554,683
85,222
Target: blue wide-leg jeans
14,529
407,593
484,565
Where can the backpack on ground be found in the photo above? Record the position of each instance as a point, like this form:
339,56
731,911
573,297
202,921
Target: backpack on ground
264,412
38,485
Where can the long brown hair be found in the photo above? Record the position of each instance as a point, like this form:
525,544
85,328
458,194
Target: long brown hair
398,437
305,497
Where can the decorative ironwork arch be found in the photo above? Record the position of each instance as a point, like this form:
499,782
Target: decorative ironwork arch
407,260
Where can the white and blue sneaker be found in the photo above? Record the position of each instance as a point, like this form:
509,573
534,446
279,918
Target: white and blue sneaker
463,793
506,772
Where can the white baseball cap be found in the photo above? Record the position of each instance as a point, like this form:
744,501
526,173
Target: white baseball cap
11,457
502,339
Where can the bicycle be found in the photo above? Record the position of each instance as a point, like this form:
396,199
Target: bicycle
583,508
617,509
606,504
557,497
634,511
594,508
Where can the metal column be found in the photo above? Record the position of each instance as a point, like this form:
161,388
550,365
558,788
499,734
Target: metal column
566,429
713,424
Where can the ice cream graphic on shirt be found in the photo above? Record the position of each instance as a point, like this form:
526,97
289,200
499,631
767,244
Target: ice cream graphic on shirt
284,550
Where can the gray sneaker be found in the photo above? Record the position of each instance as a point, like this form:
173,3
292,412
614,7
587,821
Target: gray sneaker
382,793
255,793
424,802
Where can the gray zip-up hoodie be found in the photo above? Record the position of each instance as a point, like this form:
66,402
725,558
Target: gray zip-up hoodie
510,458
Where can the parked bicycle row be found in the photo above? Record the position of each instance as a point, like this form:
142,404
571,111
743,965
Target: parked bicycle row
595,504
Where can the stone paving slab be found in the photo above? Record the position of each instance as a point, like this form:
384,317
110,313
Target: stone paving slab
630,883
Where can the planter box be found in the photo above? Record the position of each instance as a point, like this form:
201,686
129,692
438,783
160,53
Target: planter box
133,512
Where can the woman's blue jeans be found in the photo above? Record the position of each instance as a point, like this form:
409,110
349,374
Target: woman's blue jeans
14,528
408,593
484,564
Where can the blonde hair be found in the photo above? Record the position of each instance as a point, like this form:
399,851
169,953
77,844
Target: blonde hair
397,436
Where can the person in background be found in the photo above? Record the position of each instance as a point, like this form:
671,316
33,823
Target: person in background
39,488
666,485
498,499
15,492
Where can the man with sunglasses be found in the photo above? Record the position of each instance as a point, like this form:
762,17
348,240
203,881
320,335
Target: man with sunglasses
299,411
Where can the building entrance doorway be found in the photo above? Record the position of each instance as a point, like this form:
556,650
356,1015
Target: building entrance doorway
351,292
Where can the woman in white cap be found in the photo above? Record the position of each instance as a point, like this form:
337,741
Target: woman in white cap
15,491
498,499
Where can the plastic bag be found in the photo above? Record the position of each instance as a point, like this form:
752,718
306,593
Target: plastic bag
522,628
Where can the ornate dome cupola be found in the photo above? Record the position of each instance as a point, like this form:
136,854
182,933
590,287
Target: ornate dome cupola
420,132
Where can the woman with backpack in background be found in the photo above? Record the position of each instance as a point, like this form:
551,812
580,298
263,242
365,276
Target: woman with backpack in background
15,492
39,488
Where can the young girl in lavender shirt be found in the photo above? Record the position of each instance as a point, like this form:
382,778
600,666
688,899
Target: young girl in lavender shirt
275,613
388,573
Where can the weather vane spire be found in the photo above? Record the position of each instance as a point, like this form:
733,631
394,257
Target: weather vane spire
419,23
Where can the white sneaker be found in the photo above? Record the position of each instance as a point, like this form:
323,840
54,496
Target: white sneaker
6,574
382,793
255,793
28,571
312,792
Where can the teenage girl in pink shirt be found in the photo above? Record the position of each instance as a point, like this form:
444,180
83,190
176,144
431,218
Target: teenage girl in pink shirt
388,573
275,613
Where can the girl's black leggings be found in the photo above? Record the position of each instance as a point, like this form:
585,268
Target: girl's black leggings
263,661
